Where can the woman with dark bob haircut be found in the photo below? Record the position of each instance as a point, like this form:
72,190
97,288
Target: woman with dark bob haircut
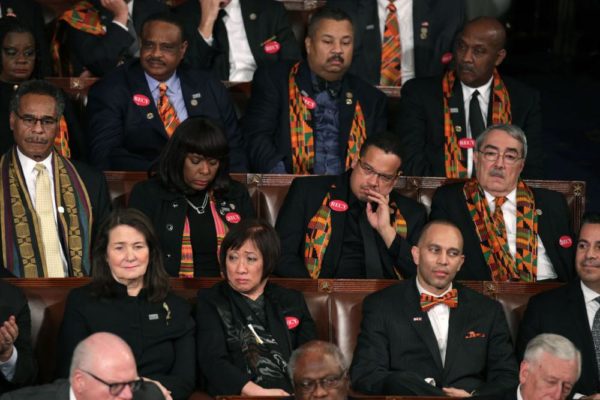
130,296
247,327
192,202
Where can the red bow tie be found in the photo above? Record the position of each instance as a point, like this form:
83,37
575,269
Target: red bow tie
450,299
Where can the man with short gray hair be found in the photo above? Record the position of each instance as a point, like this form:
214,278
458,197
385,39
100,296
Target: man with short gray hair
550,367
497,207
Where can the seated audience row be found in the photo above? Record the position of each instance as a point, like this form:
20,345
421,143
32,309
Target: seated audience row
455,341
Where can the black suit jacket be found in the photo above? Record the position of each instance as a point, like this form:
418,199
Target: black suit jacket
397,349
449,203
562,311
127,136
435,24
101,54
97,189
266,124
263,20
168,211
420,124
58,390
302,202
13,302
30,13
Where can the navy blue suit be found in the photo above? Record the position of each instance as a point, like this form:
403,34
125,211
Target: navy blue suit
127,136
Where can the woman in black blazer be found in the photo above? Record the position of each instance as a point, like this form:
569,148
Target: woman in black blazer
192,202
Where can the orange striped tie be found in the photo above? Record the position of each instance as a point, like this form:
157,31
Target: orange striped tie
391,50
166,110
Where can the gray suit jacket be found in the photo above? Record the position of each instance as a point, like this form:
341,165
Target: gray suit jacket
58,390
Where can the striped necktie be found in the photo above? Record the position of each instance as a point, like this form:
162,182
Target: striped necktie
44,207
391,49
166,111
596,335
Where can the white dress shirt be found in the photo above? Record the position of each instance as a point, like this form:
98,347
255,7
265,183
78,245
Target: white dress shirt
7,368
241,61
545,270
404,12
30,175
484,102
439,317
174,94
591,305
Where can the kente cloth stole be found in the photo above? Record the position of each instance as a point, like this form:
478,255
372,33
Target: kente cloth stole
21,237
494,246
84,17
454,159
302,137
186,268
318,235
61,140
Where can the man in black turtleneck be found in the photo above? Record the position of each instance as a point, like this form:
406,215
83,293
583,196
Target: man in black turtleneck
311,117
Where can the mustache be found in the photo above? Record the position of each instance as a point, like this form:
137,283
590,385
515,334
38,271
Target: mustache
590,263
155,60
336,57
36,140
497,173
466,68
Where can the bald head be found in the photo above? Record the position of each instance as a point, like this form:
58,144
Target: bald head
98,360
478,50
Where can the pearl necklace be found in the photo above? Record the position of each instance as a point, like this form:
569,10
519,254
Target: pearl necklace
199,210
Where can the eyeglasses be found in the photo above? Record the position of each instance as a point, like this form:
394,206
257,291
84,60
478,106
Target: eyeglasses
308,386
11,52
369,171
117,387
492,156
31,121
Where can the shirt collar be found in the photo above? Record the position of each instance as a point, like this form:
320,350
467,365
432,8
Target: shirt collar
511,197
173,84
233,5
422,290
484,90
588,294
28,164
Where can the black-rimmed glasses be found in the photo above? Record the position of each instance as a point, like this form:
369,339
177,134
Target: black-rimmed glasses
116,388
369,171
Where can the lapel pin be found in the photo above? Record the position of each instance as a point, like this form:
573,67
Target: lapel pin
538,211
196,95
252,16
453,110
152,317
458,128
194,102
418,319
149,115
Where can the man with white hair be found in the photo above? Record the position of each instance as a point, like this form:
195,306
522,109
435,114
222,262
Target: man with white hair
550,367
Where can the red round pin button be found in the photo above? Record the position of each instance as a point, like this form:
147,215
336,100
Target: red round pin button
292,322
466,143
565,241
141,100
338,205
233,217
272,47
308,102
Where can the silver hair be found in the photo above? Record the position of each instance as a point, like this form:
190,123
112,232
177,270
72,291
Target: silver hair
322,347
555,345
513,130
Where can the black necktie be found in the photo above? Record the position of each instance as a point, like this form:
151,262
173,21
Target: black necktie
596,334
475,117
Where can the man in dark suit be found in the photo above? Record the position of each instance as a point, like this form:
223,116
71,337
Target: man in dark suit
103,368
311,116
134,110
233,37
440,117
52,205
497,207
426,32
428,336
550,367
17,366
572,310
319,370
353,225
94,50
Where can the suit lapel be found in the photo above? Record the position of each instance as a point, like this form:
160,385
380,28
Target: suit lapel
347,104
459,317
139,86
420,16
420,322
251,25
193,98
339,190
